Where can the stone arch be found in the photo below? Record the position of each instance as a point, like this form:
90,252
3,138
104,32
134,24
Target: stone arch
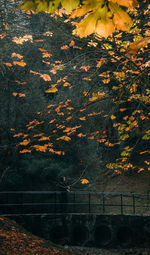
79,234
124,236
59,234
102,235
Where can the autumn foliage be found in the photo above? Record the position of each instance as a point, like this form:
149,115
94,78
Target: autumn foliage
16,240
98,16
121,42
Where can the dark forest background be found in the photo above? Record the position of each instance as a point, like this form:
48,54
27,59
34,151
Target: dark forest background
84,158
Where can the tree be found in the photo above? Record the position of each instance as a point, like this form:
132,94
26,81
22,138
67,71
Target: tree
119,107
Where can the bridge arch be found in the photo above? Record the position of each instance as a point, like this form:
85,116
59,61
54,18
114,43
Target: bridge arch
124,235
102,235
59,234
79,234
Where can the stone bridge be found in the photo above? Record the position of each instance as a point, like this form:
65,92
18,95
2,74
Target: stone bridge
94,219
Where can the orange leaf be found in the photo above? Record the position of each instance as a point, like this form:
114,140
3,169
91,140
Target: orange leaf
135,46
81,135
40,147
105,81
101,140
64,47
113,117
140,170
8,64
25,151
45,77
65,138
69,118
85,68
123,109
84,181
122,20
86,79
51,121
14,94
70,108
143,152
22,83
82,118
46,55
51,105
66,84
21,95
91,137
18,135
16,55
101,62
42,50
127,3
25,142
19,63
104,29
72,43
44,138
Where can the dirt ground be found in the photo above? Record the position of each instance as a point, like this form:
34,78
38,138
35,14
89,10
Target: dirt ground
108,181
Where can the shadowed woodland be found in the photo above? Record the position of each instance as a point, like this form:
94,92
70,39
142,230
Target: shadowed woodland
74,108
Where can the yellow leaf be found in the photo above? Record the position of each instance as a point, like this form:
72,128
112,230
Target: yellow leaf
28,5
51,90
79,12
53,6
84,181
42,6
86,26
70,5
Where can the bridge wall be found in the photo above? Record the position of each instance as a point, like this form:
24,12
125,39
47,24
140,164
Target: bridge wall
107,231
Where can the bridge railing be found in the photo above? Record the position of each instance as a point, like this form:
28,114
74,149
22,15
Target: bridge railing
81,202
